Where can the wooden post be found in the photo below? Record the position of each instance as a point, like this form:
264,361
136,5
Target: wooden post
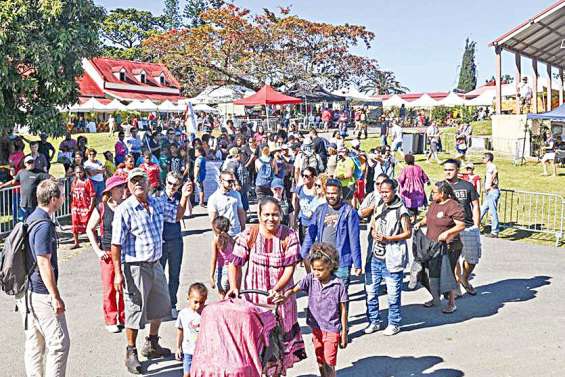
518,80
548,105
535,84
498,78
561,84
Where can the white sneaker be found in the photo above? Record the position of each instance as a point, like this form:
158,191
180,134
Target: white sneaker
174,313
391,330
373,327
112,328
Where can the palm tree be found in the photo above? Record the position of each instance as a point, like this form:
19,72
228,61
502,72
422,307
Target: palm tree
379,82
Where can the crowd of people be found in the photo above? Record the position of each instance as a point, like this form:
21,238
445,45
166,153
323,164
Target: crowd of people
313,194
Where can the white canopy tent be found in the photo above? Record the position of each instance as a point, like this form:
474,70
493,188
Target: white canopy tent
92,105
394,101
168,107
424,102
134,105
485,99
221,94
115,105
353,94
148,106
205,108
452,99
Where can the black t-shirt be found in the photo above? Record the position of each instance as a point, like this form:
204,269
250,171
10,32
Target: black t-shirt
320,148
465,193
28,180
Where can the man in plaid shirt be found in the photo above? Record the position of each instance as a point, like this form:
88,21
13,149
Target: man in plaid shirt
137,242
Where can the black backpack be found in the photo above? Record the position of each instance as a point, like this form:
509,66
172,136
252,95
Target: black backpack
14,270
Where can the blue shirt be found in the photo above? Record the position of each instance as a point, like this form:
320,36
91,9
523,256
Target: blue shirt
201,163
305,200
171,228
134,144
138,230
42,241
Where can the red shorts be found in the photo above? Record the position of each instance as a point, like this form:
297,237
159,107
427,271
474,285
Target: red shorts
325,346
360,190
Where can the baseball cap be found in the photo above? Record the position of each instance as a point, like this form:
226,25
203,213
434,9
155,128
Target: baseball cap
277,183
29,159
137,172
470,165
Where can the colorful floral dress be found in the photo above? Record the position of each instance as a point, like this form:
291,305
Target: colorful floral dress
82,194
267,261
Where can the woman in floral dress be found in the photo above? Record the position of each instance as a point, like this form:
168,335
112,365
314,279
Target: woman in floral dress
272,250
82,203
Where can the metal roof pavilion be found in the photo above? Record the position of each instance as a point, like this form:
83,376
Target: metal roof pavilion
541,39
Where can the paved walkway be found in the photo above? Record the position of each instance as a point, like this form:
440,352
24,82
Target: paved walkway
513,327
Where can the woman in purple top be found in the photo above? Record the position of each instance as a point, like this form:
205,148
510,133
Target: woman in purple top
271,251
412,180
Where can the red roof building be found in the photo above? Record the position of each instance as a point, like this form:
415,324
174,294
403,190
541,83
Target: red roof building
127,80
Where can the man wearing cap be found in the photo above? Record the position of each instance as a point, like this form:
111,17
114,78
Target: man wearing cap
227,202
28,179
137,242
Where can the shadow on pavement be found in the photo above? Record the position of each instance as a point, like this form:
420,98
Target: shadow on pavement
169,370
407,366
489,300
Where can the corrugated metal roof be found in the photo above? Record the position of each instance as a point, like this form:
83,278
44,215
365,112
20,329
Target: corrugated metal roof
541,37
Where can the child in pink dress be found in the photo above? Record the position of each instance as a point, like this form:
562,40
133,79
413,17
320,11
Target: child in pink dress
222,249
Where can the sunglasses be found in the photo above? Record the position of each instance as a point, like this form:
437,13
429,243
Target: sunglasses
174,184
230,181
318,185
307,176
138,179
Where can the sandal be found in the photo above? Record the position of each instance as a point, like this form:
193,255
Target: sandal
429,304
449,309
469,288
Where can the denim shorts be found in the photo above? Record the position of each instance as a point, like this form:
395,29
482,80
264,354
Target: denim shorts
186,362
222,281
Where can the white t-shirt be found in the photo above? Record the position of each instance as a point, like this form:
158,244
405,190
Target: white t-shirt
95,166
189,321
432,133
396,131
227,205
492,176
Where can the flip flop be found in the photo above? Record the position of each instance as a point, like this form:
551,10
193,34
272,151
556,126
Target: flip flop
429,304
469,289
449,309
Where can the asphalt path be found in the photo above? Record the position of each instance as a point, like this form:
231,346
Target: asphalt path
513,327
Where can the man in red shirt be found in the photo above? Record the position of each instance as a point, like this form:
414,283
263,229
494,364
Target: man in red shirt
152,169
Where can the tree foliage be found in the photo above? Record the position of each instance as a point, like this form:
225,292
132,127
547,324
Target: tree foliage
171,14
378,82
193,9
123,31
42,43
468,72
233,46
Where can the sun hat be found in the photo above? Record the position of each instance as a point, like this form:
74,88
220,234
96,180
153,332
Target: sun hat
277,183
114,181
29,159
234,151
137,172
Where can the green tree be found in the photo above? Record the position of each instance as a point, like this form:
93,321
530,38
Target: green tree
123,31
42,43
194,8
171,14
468,72
377,82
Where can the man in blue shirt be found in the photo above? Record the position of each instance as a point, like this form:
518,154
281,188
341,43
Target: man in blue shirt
336,223
46,335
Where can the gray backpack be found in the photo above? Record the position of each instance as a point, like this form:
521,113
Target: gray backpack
14,266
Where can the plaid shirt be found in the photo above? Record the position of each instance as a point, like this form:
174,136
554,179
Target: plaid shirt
170,206
139,231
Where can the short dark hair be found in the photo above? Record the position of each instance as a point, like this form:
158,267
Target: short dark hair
489,156
326,253
269,200
452,161
199,287
310,169
390,182
409,159
200,150
332,182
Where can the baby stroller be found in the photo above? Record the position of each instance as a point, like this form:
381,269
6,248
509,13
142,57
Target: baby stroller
238,339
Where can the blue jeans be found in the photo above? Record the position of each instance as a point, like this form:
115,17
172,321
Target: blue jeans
383,140
186,362
344,274
172,253
98,187
244,199
376,271
491,204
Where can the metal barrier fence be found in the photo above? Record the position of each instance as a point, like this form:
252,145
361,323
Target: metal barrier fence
10,204
533,212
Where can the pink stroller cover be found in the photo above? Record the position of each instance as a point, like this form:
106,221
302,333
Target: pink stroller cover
232,335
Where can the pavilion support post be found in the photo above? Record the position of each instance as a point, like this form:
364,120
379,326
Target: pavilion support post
548,107
518,80
561,84
535,84
498,78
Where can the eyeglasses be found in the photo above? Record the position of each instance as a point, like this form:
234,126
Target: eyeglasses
230,181
318,185
138,179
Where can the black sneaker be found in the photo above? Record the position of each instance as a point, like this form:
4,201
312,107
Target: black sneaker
151,348
132,361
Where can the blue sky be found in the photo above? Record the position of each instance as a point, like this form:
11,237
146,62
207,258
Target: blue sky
421,41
